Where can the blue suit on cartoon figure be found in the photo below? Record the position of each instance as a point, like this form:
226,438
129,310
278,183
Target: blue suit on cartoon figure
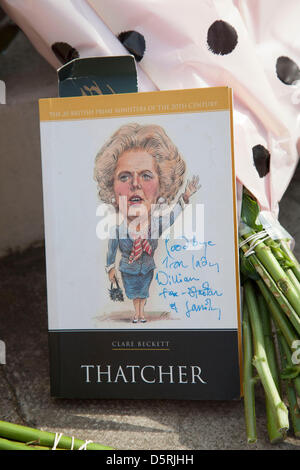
137,276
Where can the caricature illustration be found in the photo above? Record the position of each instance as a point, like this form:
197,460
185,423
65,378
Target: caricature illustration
137,169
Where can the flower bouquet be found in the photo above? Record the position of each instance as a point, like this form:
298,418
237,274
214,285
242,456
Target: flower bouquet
270,276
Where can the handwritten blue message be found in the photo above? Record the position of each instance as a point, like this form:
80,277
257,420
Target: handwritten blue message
182,281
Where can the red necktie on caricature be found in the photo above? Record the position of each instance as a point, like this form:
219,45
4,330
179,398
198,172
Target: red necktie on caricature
138,247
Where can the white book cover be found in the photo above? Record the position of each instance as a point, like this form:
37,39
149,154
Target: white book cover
141,242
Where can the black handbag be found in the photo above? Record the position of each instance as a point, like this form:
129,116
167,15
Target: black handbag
116,293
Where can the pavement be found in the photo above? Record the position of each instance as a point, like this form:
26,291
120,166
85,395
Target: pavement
121,424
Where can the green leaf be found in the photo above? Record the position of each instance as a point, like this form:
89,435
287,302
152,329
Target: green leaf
250,212
246,268
285,264
290,372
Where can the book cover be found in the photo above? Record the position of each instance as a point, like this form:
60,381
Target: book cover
141,245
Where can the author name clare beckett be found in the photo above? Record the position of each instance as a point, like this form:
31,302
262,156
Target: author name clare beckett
150,374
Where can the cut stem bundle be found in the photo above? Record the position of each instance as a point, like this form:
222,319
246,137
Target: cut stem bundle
261,363
248,379
270,276
18,437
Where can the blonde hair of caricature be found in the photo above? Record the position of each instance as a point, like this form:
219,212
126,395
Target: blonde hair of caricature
154,140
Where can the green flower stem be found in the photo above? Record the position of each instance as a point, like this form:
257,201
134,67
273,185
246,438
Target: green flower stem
260,360
283,328
292,277
25,434
6,444
278,294
248,380
294,408
279,318
285,261
288,360
290,388
274,434
268,339
270,263
296,266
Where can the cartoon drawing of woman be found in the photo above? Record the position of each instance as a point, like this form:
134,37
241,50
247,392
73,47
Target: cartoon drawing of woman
136,170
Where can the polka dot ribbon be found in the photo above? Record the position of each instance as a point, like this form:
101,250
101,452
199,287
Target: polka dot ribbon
138,247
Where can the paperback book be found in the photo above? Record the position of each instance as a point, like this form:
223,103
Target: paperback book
141,241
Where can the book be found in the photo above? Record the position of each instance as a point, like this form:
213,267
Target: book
141,245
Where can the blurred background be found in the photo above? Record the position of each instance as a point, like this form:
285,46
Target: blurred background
27,77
